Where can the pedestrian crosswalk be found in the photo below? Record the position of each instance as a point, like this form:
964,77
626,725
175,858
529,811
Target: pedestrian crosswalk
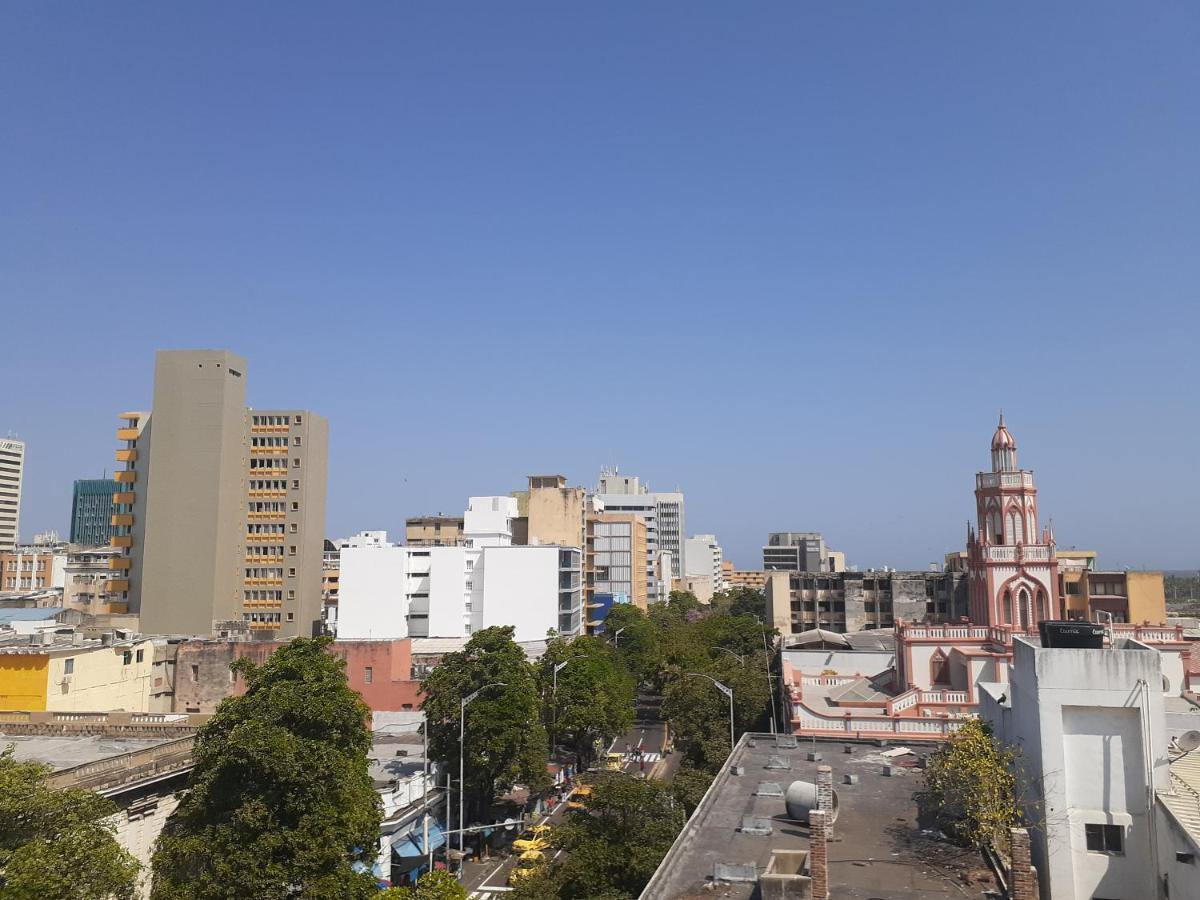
491,893
651,757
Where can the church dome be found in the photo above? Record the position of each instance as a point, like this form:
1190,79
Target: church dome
1003,439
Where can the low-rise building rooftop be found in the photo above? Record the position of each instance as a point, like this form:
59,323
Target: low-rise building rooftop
878,848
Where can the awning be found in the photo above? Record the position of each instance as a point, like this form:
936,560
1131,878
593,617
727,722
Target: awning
413,843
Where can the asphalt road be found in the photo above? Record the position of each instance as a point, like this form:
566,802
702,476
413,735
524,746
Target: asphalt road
488,880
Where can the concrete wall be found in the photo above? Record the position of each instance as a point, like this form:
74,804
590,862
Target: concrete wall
1090,723
23,681
521,589
1147,598
371,598
193,494
102,679
381,671
556,516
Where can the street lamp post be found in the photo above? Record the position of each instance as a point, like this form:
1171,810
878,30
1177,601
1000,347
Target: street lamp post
770,683
617,635
741,659
728,692
462,733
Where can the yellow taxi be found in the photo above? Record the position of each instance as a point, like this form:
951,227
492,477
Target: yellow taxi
528,863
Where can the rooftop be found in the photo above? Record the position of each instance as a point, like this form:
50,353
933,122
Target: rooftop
66,751
1184,799
878,849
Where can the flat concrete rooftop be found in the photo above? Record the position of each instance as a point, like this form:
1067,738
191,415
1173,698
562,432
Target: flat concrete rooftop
878,849
67,751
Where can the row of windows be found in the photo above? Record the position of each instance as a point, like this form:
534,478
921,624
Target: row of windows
264,529
27,565
266,550
275,420
270,441
279,465
263,617
267,595
275,485
266,506
267,572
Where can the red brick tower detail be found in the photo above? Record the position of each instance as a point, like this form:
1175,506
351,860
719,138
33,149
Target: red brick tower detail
1013,570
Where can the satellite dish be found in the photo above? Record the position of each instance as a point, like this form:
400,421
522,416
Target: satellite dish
1188,741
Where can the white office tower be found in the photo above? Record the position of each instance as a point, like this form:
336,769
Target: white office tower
663,514
401,591
12,468
703,557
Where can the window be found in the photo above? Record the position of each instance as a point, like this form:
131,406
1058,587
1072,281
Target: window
299,420
291,617
126,658
294,528
291,573
195,673
141,655
295,484
291,550
295,506
291,595
296,463
68,666
1105,838
368,674
296,441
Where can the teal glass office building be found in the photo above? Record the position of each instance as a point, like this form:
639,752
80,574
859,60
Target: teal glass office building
91,512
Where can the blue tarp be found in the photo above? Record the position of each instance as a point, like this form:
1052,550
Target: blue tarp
414,843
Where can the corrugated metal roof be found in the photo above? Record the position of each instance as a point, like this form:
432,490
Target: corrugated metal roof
29,615
1184,802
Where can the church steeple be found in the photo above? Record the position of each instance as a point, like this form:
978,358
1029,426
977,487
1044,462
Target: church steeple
1004,448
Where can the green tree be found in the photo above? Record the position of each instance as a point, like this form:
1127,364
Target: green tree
638,647
614,846
505,741
435,885
970,787
741,601
595,695
57,843
280,802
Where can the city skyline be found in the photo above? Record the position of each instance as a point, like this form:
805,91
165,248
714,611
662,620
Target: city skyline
791,261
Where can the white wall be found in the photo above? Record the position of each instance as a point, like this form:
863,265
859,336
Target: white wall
487,521
1090,727
520,587
447,591
371,598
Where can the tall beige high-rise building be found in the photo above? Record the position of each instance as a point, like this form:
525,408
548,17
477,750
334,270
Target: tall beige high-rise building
12,470
221,510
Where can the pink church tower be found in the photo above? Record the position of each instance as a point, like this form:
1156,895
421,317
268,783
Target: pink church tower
1013,570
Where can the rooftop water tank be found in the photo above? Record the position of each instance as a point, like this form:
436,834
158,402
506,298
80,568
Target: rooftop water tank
801,799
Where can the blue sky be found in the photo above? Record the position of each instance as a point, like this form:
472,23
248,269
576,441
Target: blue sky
790,258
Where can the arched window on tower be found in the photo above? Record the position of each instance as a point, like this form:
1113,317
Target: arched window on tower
994,527
1032,530
1042,615
1008,618
939,668
1023,605
1014,533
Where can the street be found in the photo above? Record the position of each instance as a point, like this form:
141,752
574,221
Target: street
488,879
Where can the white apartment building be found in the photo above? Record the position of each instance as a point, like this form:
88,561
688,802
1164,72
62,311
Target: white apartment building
391,591
663,514
12,470
702,557
1096,768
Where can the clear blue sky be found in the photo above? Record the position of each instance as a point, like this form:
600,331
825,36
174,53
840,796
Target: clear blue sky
789,258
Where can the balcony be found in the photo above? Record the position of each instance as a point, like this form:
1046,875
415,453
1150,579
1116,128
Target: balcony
127,434
265,560
118,585
269,451
123,519
121,540
123,498
126,455
119,607
128,476
120,563
263,626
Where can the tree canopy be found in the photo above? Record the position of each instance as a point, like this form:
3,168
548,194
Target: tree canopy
970,787
614,846
57,843
505,742
595,694
281,801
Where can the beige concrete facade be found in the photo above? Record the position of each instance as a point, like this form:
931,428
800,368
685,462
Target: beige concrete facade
221,510
779,600
433,531
555,512
751,578
88,677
